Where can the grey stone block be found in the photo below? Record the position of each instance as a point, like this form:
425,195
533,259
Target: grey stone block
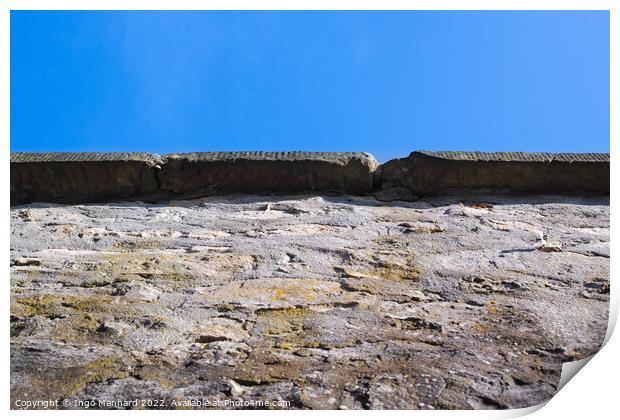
81,177
432,173
98,177
270,172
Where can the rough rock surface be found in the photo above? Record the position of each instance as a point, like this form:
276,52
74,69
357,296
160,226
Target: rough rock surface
82,177
210,173
450,302
78,178
440,173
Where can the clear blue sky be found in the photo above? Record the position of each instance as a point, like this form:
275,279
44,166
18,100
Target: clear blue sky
383,82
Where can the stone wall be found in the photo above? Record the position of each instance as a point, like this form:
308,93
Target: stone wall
448,299
325,302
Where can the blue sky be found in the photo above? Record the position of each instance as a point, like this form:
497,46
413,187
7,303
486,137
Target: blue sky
383,82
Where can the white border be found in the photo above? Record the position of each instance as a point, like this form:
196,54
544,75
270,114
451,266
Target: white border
592,394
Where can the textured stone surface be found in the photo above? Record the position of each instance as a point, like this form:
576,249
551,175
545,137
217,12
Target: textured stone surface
101,177
436,173
518,156
81,177
468,302
200,174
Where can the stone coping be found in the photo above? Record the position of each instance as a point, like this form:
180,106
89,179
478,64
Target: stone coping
517,156
98,177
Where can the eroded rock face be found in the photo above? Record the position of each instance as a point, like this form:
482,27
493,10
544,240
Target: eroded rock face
452,302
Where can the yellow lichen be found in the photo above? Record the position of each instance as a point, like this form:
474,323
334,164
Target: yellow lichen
63,382
480,328
491,309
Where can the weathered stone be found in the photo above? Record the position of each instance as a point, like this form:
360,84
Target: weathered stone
444,303
81,177
436,173
100,177
200,174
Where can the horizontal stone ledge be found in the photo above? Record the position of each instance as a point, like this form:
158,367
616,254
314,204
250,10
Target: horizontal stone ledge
262,172
58,157
99,177
432,173
81,177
